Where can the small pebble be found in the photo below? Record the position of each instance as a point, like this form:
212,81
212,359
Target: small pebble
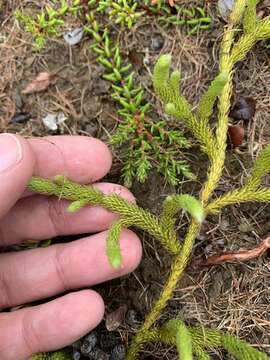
118,353
21,117
157,43
243,109
76,355
89,343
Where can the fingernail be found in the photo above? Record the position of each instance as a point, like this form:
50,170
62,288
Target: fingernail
10,151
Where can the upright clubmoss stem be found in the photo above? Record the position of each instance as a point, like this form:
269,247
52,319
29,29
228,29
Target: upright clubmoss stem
226,66
214,175
177,269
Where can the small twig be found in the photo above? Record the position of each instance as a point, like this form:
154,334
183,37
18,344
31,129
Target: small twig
240,256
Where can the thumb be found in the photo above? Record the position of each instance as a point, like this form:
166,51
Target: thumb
16,168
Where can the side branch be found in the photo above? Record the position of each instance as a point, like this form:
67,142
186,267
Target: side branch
63,188
168,88
237,197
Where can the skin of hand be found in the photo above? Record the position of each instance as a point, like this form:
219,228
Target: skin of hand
41,273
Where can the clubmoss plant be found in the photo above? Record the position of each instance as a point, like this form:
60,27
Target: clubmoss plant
234,48
57,355
150,144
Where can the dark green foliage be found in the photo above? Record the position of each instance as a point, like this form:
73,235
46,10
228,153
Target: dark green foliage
194,18
47,22
123,12
150,144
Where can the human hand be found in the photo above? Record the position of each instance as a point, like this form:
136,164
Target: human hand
43,272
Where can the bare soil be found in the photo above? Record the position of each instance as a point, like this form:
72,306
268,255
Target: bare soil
233,297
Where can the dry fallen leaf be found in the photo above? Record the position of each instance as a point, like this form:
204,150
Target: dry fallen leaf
40,83
51,121
136,58
239,256
116,318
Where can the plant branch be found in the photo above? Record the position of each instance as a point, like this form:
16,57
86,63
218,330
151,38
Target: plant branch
177,269
238,196
142,219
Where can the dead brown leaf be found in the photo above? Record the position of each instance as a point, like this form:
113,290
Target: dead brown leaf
116,318
239,256
40,83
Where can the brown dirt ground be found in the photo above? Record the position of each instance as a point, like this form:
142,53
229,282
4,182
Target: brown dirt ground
228,297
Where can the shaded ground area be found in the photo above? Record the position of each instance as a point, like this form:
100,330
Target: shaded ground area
227,297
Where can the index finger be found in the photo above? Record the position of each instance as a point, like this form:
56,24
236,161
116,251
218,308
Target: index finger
80,158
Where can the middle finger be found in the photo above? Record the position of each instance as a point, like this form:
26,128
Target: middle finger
39,273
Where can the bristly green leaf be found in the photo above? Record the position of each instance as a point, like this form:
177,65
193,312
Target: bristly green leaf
174,82
200,353
113,248
260,169
187,202
177,105
247,41
240,349
208,99
183,343
161,72
250,16
204,337
76,206
170,109
177,329
211,339
214,339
